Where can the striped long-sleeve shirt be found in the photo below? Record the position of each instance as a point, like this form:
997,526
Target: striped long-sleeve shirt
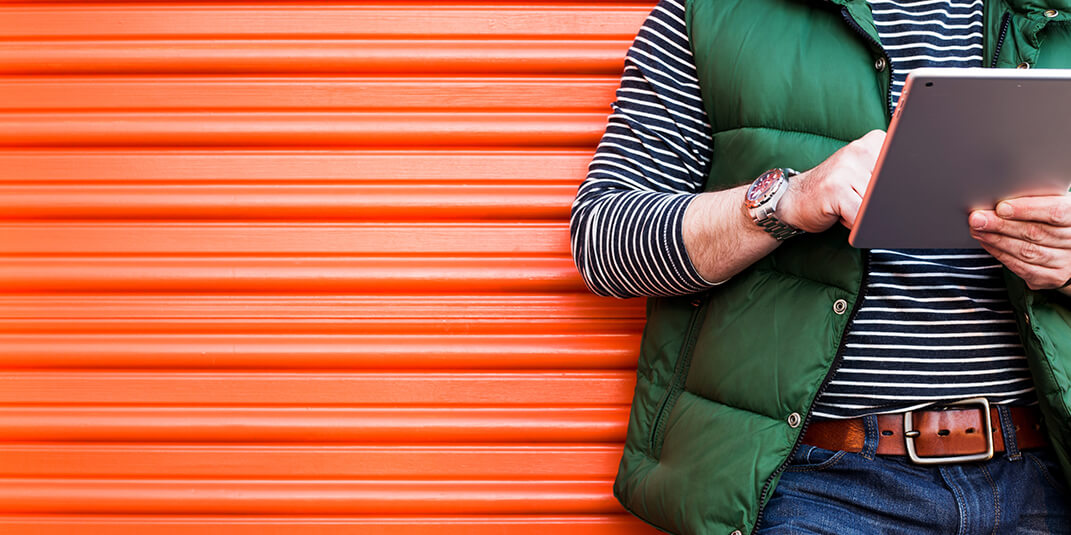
934,325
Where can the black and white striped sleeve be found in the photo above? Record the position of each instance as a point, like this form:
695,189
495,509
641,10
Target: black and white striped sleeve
626,224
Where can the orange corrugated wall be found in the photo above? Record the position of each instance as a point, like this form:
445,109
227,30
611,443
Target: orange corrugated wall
304,268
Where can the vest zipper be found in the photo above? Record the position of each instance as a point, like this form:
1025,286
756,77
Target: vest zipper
888,61
1005,21
855,308
821,389
680,376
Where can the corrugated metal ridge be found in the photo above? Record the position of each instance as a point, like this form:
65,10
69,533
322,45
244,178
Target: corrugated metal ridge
265,93
285,461
369,425
308,389
536,524
281,20
297,165
245,184
144,306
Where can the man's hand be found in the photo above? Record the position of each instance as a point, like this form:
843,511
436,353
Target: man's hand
833,191
721,238
1030,235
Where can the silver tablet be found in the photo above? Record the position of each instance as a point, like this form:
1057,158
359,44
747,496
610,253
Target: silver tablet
961,140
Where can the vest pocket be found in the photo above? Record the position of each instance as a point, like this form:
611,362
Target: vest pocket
680,376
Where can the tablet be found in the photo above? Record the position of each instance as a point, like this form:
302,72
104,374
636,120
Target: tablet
960,140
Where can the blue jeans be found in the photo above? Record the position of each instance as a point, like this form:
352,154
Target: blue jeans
837,492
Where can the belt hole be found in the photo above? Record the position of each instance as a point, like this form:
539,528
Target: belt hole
887,433
970,430
944,432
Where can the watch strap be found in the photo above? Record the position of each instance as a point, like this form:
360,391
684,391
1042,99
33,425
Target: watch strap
778,229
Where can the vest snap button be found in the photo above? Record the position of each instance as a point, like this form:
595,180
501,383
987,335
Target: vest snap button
794,420
1051,13
1026,318
840,306
737,532
879,64
1023,65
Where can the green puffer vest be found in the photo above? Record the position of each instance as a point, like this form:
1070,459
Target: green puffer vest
725,377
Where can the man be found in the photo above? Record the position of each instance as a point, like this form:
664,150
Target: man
779,364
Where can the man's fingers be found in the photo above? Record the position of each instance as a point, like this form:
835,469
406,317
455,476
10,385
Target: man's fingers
848,203
860,183
1052,209
870,148
1031,231
1036,277
865,149
832,191
1023,250
873,139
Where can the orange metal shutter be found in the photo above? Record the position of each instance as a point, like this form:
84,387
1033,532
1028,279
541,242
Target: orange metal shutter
304,268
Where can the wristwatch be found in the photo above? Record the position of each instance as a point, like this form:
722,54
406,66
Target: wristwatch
761,202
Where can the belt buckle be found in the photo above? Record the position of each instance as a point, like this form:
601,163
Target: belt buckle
910,433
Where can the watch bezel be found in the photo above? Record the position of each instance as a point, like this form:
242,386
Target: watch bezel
767,185
767,191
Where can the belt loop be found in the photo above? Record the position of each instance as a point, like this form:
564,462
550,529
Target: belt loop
1007,432
870,437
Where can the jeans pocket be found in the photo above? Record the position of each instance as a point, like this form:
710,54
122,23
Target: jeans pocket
812,458
1049,468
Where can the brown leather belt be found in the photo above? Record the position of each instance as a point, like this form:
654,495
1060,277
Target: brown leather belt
940,436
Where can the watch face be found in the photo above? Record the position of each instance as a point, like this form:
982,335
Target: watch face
763,188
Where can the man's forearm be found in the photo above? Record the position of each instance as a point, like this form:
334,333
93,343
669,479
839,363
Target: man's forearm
720,236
